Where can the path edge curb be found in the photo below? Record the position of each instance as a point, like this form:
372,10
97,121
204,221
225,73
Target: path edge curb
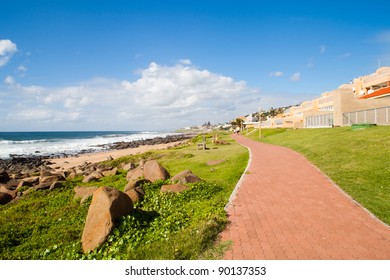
238,185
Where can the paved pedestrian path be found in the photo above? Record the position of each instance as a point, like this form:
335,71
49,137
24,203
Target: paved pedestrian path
285,208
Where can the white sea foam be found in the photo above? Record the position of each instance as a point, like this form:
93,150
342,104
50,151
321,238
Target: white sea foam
68,146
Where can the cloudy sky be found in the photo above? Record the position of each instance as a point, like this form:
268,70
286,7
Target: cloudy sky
136,65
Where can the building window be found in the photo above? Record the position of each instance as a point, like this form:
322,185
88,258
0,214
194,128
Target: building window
319,121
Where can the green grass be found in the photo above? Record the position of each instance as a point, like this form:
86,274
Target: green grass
49,224
356,160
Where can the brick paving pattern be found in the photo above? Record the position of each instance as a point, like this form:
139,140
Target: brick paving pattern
285,208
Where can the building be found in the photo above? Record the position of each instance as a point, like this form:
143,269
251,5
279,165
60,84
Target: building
374,86
365,100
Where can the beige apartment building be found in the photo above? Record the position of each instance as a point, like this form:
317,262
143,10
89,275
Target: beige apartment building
365,100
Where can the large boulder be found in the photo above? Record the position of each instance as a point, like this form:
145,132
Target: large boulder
135,174
154,171
107,206
185,177
176,188
5,198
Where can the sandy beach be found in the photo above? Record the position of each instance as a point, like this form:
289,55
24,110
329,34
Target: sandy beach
73,161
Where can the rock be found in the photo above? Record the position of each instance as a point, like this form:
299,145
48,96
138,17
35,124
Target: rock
140,190
46,182
4,177
28,182
5,198
154,171
57,185
94,176
136,194
185,177
102,168
13,183
111,172
135,184
84,193
108,205
46,172
7,190
128,166
65,173
41,187
87,168
19,166
135,174
176,188
153,141
72,175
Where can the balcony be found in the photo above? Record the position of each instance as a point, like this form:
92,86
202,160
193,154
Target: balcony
382,92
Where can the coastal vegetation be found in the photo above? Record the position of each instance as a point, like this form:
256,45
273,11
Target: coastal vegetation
48,224
355,159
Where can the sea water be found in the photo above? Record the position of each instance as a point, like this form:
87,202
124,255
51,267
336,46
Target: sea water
65,142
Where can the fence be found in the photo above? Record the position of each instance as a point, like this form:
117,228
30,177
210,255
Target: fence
379,116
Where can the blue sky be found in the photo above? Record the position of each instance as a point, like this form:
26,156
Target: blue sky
128,65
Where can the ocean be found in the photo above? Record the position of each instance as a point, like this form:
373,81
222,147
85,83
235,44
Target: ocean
65,142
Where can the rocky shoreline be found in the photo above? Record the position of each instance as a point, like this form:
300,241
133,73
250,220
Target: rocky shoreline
20,174
20,166
153,141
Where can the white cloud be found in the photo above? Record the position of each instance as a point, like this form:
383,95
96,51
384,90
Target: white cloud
295,77
183,86
22,68
322,49
7,49
9,81
163,97
185,61
276,74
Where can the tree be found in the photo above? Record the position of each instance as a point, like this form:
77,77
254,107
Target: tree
237,122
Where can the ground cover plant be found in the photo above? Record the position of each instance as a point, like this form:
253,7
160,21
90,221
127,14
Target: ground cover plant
357,160
48,224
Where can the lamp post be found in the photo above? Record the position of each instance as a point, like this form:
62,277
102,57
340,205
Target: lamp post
260,114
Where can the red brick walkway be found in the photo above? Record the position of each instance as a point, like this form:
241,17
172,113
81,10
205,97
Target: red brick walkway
285,208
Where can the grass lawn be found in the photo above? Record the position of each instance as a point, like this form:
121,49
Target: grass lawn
49,224
356,160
